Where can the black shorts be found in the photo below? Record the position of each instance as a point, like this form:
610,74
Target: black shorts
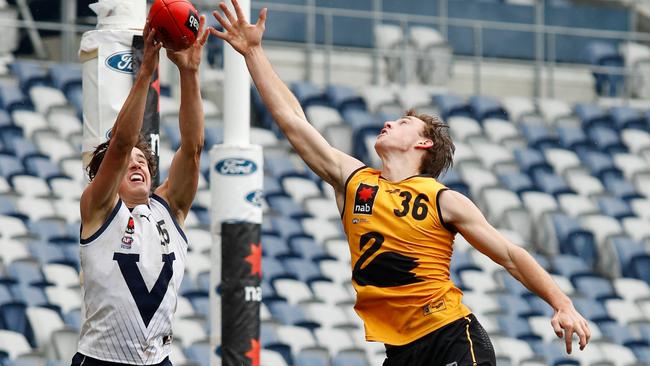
463,342
83,360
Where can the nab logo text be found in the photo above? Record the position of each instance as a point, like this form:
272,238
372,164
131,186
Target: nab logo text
193,23
253,293
364,199
121,62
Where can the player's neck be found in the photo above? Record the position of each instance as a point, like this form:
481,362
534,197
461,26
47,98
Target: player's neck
399,168
131,202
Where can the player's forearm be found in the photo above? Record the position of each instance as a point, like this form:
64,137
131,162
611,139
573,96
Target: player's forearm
277,97
535,278
126,130
191,119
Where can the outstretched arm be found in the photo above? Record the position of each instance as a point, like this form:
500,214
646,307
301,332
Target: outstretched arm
180,186
100,195
460,212
332,165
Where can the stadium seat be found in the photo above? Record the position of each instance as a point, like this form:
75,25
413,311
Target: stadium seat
517,327
43,322
13,99
486,107
465,129
495,157
516,351
594,287
626,117
274,246
600,164
309,94
321,207
300,188
553,109
531,161
312,357
577,205
574,239
637,141
606,140
592,115
47,98
303,269
282,204
14,344
452,105
539,136
350,358
617,354
64,76
574,138
64,342
271,358
615,207
591,309
331,293
289,314
518,107
343,98
294,291
621,188
335,340
13,317
625,312
30,73
503,132
551,183
584,184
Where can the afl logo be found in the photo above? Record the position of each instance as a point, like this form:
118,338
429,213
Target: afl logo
236,166
121,62
255,198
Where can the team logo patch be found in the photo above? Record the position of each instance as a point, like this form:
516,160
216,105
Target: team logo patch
364,199
127,239
432,307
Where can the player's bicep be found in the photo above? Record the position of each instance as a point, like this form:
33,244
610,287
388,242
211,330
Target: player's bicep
100,194
180,186
461,212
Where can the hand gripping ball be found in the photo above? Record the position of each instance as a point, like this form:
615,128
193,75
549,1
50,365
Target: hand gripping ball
176,23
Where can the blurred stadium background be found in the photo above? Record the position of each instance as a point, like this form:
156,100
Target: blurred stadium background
547,102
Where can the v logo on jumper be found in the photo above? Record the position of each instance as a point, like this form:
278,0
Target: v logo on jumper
146,301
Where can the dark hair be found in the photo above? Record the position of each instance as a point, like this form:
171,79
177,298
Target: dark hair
439,157
100,151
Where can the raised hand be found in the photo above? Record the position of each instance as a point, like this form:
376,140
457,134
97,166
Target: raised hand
241,35
151,52
190,58
565,322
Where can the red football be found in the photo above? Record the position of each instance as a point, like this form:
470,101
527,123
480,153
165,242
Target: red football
176,23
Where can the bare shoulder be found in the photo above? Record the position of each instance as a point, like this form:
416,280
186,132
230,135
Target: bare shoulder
454,205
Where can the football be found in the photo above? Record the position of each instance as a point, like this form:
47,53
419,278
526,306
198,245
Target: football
176,23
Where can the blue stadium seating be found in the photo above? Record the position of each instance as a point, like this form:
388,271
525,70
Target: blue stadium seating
532,161
539,136
452,105
486,107
626,117
575,240
606,140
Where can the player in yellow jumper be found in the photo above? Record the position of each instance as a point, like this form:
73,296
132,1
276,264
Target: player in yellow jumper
400,223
